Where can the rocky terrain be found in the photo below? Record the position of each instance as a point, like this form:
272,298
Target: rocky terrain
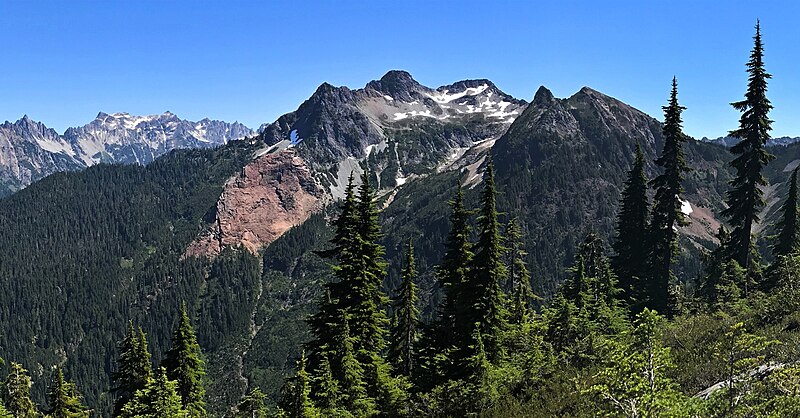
400,124
396,127
30,151
271,194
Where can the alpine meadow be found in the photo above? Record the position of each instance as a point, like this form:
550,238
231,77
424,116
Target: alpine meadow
399,250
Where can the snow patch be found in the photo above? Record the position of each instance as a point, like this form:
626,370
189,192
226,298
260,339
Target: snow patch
388,98
446,97
413,113
379,147
686,207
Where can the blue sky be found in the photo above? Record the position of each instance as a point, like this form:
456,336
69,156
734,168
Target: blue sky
63,61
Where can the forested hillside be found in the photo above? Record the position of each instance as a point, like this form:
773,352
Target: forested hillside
84,253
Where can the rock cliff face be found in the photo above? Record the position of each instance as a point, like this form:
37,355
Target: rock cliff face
271,194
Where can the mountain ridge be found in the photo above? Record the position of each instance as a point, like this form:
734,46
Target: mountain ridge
29,150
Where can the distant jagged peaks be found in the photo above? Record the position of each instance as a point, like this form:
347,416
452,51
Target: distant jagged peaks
117,137
730,141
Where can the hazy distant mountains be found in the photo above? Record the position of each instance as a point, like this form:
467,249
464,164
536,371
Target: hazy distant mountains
729,141
29,150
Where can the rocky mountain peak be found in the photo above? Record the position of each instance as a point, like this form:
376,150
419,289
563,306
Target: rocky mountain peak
543,97
397,84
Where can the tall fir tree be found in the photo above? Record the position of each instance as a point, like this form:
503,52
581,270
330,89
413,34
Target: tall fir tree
64,399
134,369
452,273
327,322
17,393
630,244
483,294
365,300
666,214
184,364
745,198
446,341
406,318
356,297
519,277
159,399
788,236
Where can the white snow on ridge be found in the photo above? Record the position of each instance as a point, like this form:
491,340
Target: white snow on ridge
403,115
686,207
446,97
131,122
388,98
379,147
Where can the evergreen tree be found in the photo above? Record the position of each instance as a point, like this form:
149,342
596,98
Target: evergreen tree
352,381
299,404
327,322
483,295
592,278
356,297
788,236
327,393
184,364
634,381
17,393
518,276
452,274
133,367
630,245
254,405
745,199
667,212
406,314
159,399
364,301
65,401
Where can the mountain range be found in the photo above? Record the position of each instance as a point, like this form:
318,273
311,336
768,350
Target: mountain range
232,230
29,150
729,141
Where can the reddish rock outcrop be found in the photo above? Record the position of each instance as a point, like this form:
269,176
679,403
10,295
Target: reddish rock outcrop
270,195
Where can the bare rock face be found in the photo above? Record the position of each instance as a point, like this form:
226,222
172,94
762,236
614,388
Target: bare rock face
270,195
